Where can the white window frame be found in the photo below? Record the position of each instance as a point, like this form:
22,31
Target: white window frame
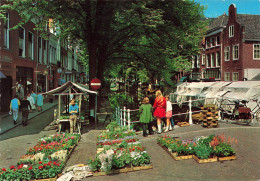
212,42
233,51
234,76
257,50
203,58
217,44
32,50
208,45
207,61
225,77
6,34
226,52
231,31
198,61
212,60
23,43
218,57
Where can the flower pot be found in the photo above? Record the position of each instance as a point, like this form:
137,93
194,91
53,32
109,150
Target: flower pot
184,157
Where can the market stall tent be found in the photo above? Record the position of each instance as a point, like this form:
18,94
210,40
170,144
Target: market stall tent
71,88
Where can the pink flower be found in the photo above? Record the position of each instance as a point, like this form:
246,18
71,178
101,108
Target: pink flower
72,137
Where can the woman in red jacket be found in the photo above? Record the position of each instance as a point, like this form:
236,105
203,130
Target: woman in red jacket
160,108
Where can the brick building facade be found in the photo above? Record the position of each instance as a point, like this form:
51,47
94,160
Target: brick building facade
28,59
231,49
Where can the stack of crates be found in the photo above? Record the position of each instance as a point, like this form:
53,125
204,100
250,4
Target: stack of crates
210,115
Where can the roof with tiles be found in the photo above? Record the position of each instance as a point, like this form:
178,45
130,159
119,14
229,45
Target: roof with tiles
251,23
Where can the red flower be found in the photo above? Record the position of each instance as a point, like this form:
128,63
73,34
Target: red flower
20,166
49,164
40,162
14,169
54,163
115,152
4,169
11,167
40,167
30,168
45,165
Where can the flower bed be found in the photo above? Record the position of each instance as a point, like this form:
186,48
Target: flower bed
120,156
44,160
202,149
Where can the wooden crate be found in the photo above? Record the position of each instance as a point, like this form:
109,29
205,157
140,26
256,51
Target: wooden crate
47,179
124,170
221,159
215,159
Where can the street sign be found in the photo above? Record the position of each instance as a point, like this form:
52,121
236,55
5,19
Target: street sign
95,84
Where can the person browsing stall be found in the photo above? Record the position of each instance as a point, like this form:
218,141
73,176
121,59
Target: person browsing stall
73,110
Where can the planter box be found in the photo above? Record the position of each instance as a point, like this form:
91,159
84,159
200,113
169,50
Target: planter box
186,157
124,170
215,159
46,179
100,150
175,155
227,158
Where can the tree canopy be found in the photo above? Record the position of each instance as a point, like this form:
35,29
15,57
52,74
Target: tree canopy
157,36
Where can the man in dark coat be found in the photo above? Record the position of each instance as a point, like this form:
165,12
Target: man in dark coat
25,104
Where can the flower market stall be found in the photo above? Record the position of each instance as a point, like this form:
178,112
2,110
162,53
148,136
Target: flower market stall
45,160
119,151
75,89
202,149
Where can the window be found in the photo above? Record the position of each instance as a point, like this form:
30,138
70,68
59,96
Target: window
208,61
212,42
213,60
227,54
257,51
6,31
21,42
235,52
227,76
203,60
218,40
217,59
231,31
235,76
30,45
45,51
207,44
39,50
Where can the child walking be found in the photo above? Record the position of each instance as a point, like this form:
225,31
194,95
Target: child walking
168,114
146,116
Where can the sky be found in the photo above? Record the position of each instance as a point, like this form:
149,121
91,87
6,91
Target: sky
216,8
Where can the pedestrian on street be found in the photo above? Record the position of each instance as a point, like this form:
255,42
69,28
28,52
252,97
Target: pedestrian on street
34,96
73,110
21,93
168,114
32,103
39,101
14,107
146,116
25,104
160,108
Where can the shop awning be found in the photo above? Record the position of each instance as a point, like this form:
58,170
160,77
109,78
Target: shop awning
2,75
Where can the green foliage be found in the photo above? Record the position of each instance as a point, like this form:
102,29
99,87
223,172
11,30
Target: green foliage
94,164
112,126
120,100
224,149
203,151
